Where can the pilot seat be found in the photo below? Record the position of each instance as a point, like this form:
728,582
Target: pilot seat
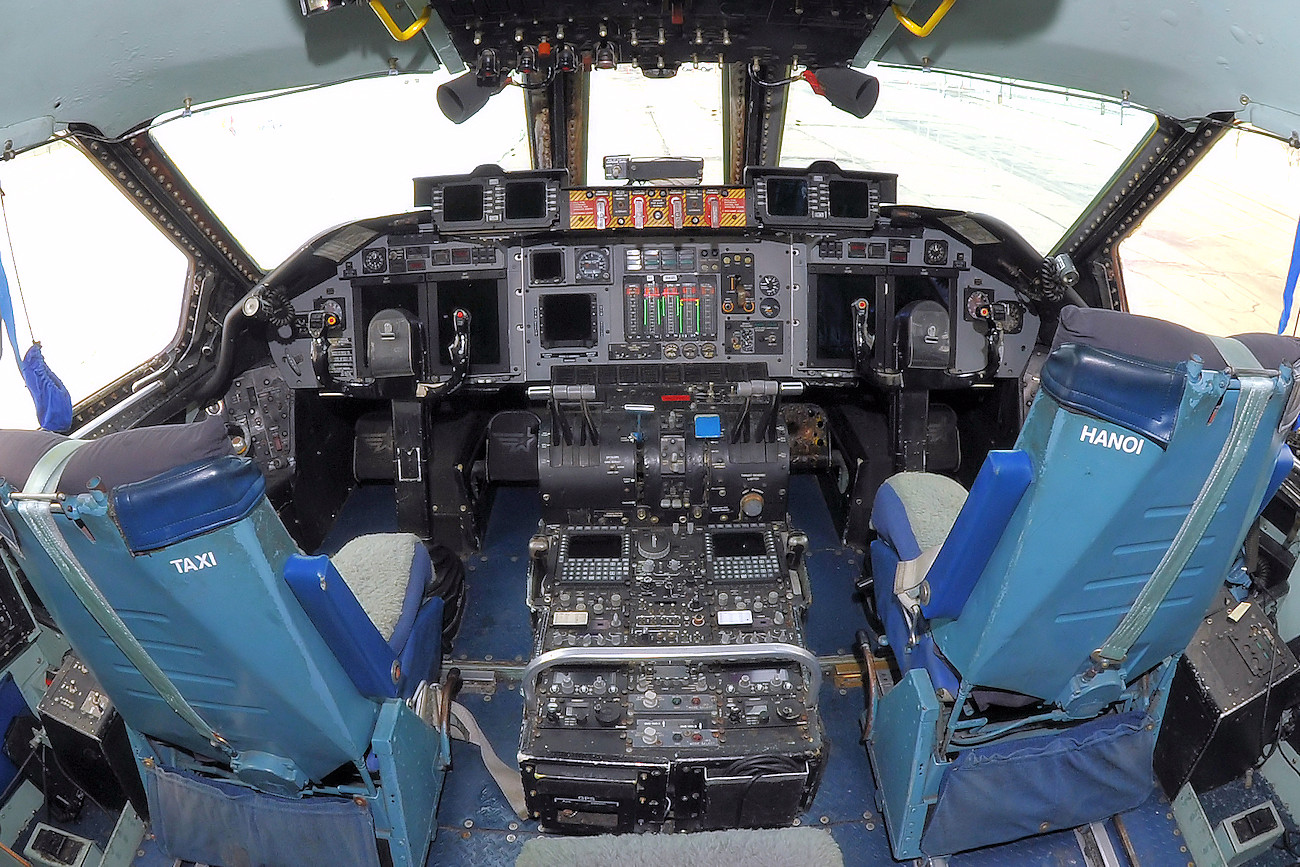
279,705
1035,619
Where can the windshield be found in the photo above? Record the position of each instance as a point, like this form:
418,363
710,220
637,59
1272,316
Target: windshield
282,168
639,117
1031,157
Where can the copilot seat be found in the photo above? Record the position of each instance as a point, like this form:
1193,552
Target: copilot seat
266,705
1033,619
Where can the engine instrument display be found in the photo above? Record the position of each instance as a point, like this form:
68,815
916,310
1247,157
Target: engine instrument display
660,309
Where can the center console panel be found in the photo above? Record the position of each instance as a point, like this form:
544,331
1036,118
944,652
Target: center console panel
670,686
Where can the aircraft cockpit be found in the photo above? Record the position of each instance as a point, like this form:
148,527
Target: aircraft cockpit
545,470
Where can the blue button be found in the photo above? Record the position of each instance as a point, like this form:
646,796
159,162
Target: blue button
708,427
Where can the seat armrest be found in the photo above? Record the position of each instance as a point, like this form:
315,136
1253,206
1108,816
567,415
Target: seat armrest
343,623
1281,469
998,489
422,654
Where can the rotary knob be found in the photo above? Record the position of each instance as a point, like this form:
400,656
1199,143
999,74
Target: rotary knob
788,710
653,545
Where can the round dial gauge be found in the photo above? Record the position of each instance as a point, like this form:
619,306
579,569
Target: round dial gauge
936,252
374,260
593,265
769,285
770,308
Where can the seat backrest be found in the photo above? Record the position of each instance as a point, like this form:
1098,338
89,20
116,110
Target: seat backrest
191,559
1120,440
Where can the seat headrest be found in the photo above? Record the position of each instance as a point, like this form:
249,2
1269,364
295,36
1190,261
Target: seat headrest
1161,341
116,459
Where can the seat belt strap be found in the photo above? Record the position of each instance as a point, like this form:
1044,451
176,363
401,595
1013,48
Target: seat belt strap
1239,358
38,516
507,777
1256,389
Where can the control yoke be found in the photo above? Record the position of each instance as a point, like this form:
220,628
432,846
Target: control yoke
458,353
863,339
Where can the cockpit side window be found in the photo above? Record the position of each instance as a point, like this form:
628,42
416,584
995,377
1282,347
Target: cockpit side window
279,168
101,286
1213,255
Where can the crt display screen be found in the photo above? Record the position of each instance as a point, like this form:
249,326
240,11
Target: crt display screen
548,266
835,296
850,200
787,197
568,320
462,203
738,544
526,200
603,546
479,299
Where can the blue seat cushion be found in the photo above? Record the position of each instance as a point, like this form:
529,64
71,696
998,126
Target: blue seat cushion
187,501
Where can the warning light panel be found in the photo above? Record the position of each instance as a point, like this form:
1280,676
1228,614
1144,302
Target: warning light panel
658,208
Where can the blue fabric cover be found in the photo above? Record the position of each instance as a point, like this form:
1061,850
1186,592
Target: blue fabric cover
1002,481
418,580
49,394
1087,536
187,501
890,519
1282,469
7,314
1140,395
213,822
1015,788
343,623
12,705
924,655
421,655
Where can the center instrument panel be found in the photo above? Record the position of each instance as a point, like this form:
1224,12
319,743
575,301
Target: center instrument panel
774,272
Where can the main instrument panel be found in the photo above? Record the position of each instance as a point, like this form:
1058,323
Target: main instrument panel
805,271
